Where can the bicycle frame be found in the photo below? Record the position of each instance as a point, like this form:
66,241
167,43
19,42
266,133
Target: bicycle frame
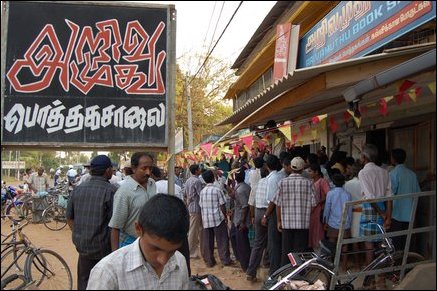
321,262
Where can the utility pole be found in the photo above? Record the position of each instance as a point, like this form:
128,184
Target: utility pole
190,118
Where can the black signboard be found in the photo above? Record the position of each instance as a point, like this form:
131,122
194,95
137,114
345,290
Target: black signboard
86,74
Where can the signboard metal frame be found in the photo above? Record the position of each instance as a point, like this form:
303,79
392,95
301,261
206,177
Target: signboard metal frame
170,66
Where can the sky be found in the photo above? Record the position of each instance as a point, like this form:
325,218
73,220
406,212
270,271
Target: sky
196,22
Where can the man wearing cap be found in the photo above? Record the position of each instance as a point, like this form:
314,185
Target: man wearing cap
294,201
89,211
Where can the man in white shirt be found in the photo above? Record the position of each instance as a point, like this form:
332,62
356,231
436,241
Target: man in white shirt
162,185
152,262
375,183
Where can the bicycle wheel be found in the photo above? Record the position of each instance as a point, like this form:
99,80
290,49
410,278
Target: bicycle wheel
393,278
13,260
54,217
48,270
310,274
17,211
14,282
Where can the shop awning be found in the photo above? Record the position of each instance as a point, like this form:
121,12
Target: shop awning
311,91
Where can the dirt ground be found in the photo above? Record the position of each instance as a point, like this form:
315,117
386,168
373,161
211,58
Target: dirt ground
60,241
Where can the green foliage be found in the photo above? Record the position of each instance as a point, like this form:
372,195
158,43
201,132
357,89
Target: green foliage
208,108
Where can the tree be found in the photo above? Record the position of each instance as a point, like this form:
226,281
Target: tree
208,108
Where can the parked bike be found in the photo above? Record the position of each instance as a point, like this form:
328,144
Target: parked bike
318,269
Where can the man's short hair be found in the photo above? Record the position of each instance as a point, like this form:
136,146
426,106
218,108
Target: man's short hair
259,162
135,159
338,180
156,172
370,151
194,168
165,216
272,162
208,176
399,155
239,175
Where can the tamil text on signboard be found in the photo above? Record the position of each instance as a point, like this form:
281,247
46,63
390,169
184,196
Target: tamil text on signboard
86,74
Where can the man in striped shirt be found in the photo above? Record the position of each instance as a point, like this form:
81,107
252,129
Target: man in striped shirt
212,204
193,186
294,201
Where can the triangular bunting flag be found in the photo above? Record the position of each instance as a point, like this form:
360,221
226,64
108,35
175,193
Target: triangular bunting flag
388,98
314,133
346,117
302,129
407,84
412,94
323,124
383,108
333,124
356,119
399,98
286,130
207,148
318,118
431,87
294,138
277,141
261,145
248,140
236,150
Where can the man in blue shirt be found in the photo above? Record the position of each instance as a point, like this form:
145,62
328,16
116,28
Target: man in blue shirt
403,181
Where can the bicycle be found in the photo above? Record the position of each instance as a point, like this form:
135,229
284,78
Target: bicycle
55,216
14,207
317,269
23,264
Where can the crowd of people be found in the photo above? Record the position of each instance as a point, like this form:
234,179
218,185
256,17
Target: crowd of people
255,210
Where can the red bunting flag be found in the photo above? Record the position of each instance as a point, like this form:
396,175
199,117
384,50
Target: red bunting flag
207,148
318,118
407,84
261,145
302,129
294,138
383,107
333,125
248,140
236,150
347,117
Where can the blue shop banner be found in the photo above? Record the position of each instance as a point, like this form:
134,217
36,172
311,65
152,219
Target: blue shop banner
356,28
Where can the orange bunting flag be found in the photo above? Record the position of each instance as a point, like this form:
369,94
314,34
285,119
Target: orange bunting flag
286,130
431,87
318,118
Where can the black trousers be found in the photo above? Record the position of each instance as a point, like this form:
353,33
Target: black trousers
293,240
274,243
84,267
399,241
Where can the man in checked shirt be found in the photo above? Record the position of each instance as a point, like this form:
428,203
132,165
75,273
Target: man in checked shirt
294,201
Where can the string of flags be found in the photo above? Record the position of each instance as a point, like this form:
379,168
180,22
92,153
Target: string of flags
309,131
